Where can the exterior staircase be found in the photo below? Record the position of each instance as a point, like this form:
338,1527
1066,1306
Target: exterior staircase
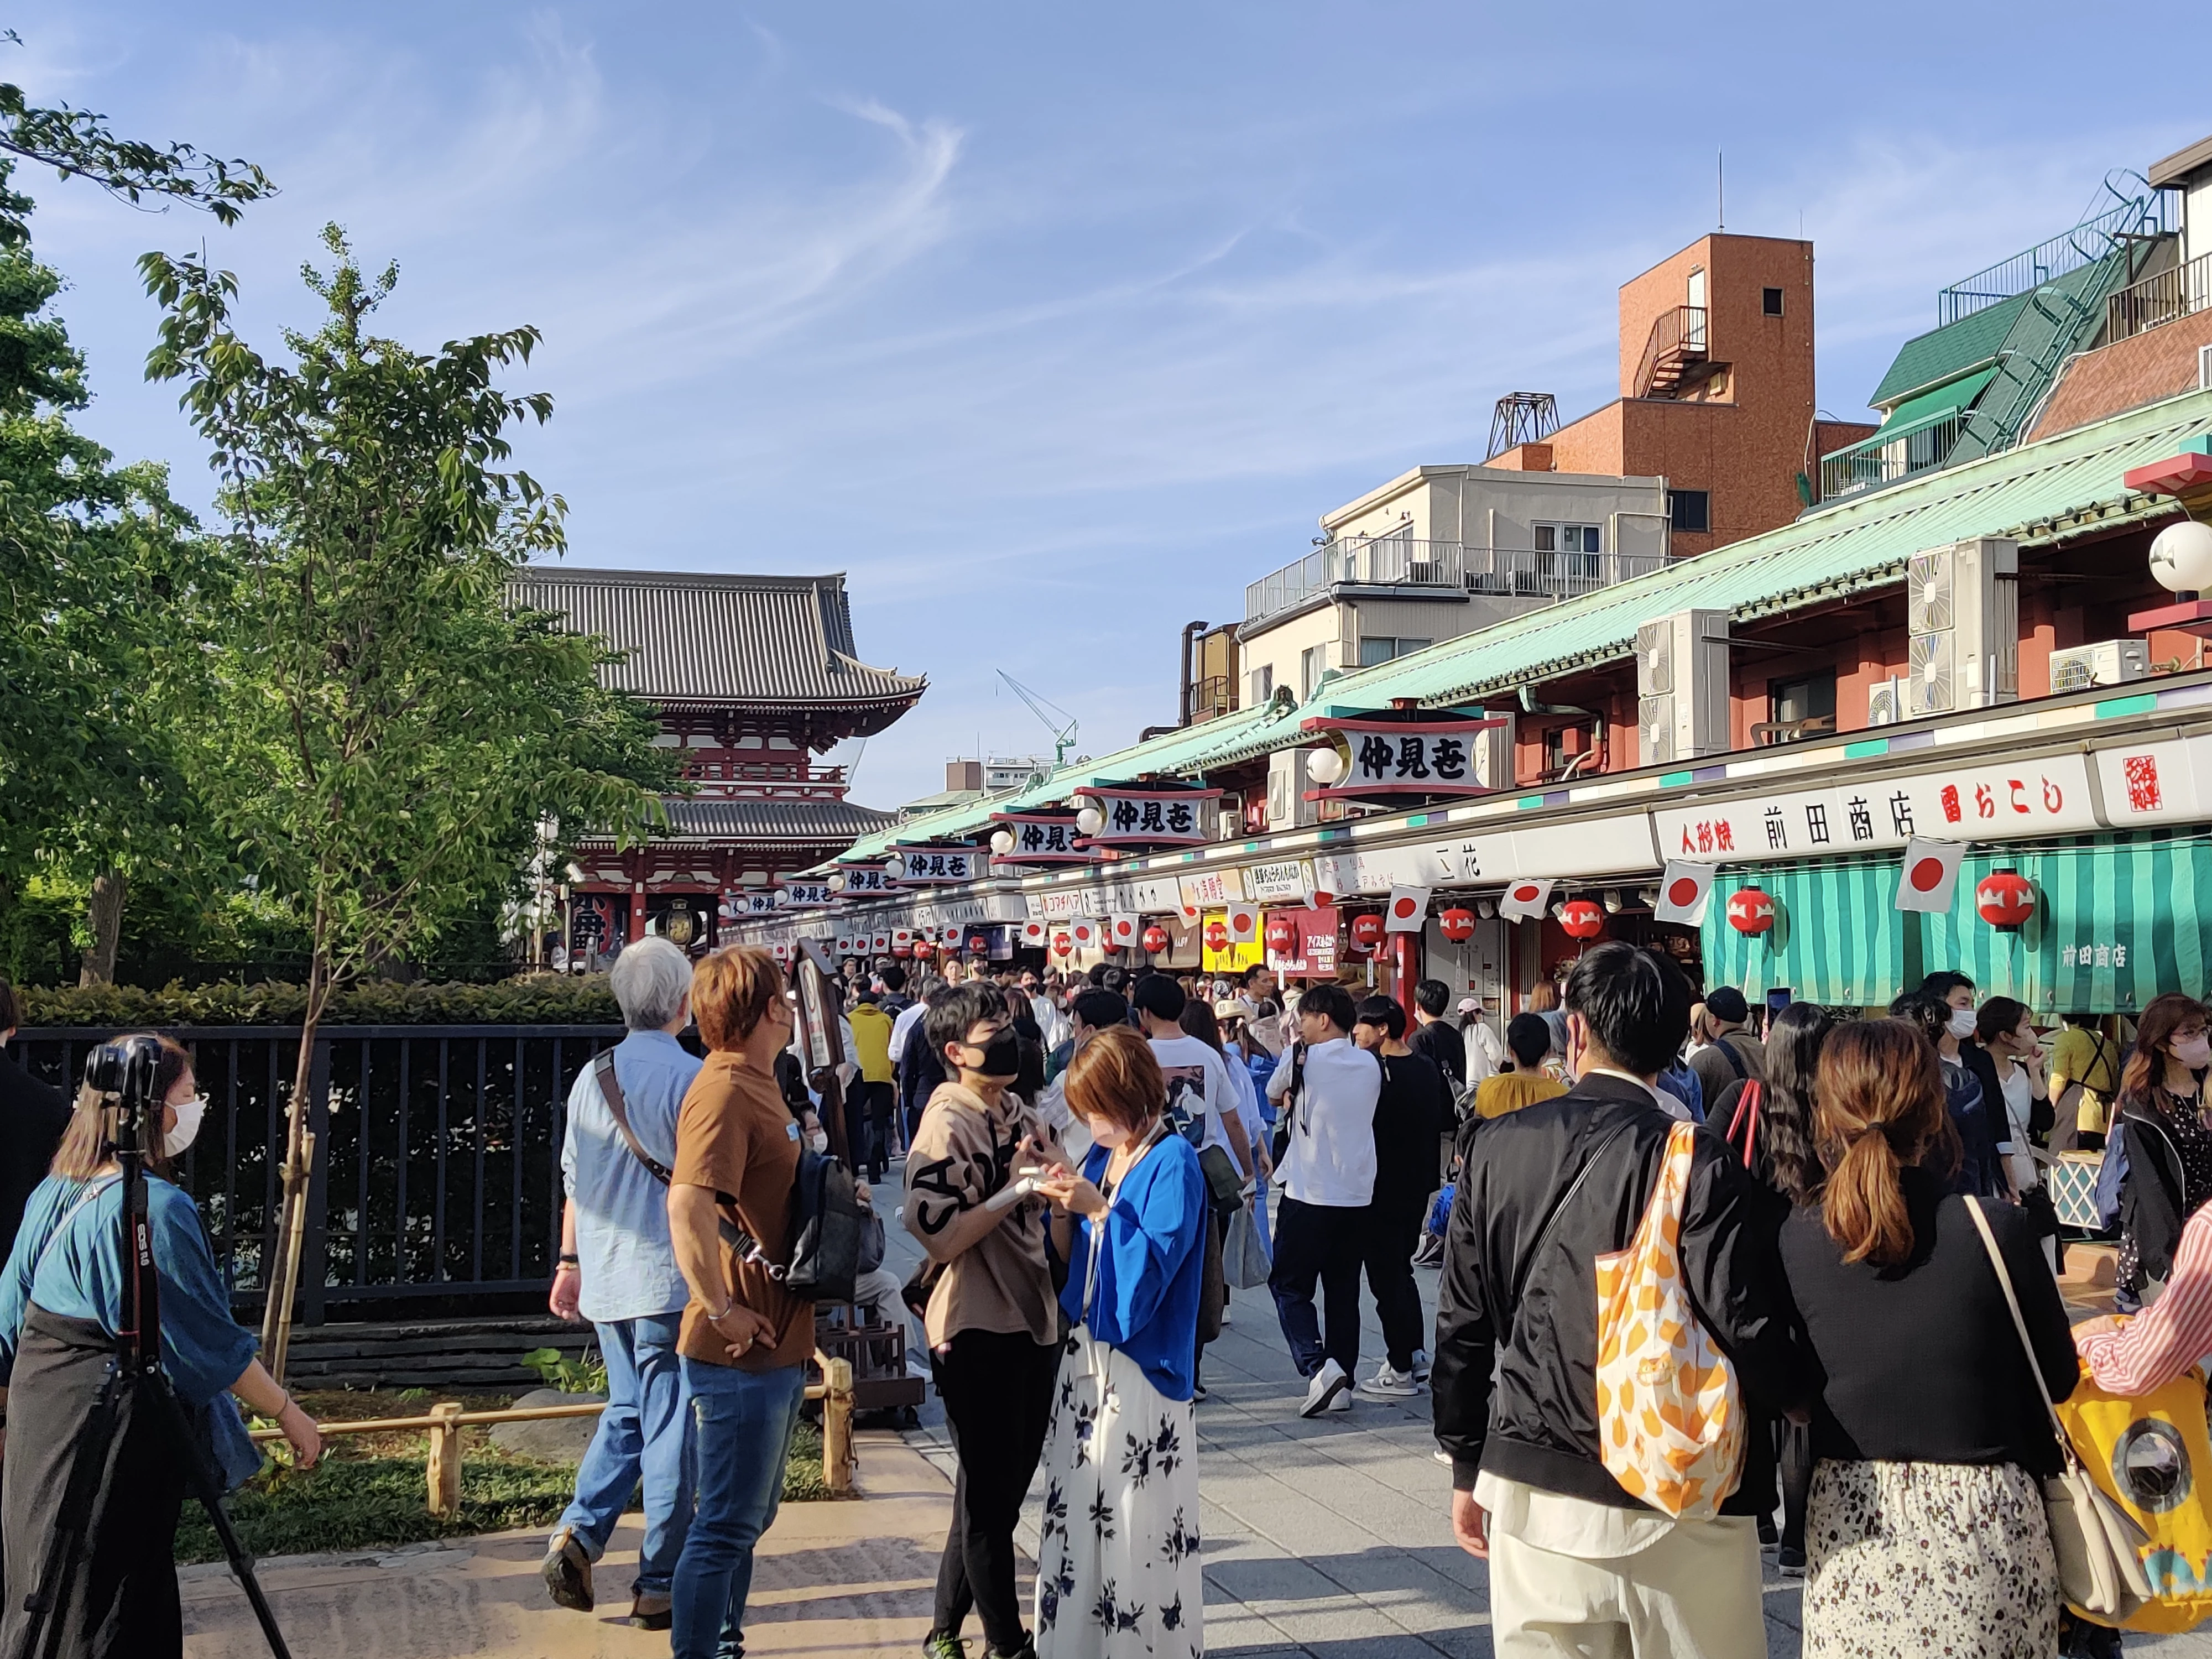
1676,346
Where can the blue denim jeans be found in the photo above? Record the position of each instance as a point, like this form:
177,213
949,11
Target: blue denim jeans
644,1433
744,1421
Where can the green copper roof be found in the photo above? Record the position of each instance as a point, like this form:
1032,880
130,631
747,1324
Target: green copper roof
1942,354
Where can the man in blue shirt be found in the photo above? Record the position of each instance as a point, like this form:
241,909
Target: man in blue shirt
619,1270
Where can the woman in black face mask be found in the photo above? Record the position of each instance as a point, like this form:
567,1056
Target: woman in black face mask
992,1318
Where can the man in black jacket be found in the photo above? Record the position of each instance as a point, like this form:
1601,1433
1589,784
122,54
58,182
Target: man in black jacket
1576,1564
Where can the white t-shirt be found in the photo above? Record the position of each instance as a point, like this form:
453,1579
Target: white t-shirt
1199,1088
2020,1102
1330,1160
909,1017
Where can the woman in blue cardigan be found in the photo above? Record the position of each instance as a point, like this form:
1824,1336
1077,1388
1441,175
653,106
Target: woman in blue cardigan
1117,1564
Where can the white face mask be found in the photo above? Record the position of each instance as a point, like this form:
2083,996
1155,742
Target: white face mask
1962,1023
189,1114
2194,1053
819,1141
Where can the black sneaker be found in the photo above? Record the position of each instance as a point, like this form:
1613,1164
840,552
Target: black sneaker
938,1645
1027,1650
567,1572
1198,1393
1792,1562
1767,1535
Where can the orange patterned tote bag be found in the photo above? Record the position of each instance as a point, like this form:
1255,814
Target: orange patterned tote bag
1669,1413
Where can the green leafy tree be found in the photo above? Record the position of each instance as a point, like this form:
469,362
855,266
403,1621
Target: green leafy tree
389,734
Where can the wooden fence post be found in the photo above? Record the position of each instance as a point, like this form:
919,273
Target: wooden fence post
837,1424
446,1459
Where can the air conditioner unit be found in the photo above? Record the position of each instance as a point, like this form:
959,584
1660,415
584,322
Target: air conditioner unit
1886,702
1493,752
1682,687
1962,608
1287,806
2108,662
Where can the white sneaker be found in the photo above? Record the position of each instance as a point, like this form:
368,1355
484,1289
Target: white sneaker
1328,1384
1397,1384
1442,1457
1342,1403
1420,1364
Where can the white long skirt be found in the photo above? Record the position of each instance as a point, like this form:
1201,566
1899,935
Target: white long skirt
1118,1571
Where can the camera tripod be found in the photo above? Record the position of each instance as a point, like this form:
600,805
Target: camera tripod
124,1073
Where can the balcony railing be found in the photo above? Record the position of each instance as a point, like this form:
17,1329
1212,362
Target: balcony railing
1397,562
2166,298
2137,211
1888,456
1678,339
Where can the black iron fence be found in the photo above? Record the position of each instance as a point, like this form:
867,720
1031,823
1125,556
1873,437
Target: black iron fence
437,1175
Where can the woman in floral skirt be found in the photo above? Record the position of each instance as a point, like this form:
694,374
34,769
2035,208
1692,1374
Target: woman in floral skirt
1925,1533
1117,1561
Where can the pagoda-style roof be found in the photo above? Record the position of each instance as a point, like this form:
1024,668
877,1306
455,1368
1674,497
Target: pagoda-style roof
830,823
707,644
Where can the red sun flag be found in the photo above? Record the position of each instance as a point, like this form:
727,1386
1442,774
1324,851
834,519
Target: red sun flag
1524,901
1931,876
1684,890
1406,910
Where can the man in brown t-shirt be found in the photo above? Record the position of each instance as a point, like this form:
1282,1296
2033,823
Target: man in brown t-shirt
992,1320
744,1340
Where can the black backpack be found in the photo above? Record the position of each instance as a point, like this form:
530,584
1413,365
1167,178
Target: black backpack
833,1239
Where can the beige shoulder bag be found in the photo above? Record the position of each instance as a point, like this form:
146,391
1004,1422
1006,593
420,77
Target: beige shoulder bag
2096,1541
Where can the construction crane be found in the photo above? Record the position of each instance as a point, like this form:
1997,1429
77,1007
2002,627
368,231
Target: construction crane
1063,737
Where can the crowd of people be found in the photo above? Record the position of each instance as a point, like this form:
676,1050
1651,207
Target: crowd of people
1856,1205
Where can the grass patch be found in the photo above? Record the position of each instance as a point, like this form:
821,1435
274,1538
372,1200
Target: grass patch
368,1491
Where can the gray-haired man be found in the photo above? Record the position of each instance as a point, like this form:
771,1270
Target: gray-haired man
619,1270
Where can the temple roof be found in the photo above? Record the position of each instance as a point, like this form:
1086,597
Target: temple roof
836,823
706,643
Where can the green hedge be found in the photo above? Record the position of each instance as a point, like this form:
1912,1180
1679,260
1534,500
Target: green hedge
538,999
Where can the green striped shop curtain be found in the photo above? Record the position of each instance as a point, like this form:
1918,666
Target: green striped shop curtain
2121,920
1837,937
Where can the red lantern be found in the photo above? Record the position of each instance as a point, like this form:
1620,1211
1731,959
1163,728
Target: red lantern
1750,911
1282,937
1457,925
923,950
1582,918
2005,899
977,945
1062,946
1217,936
903,948
1156,938
1367,931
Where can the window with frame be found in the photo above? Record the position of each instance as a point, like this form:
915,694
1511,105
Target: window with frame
1313,663
1375,648
1571,549
1770,301
1690,510
1802,706
1262,682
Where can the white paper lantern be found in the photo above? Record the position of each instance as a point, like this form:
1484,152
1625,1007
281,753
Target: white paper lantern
1324,766
1089,821
2181,558
836,881
1003,843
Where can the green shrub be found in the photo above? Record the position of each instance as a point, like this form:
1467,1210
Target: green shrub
536,1000
585,1376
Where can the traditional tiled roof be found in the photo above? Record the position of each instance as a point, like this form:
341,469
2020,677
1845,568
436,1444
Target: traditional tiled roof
773,820
697,641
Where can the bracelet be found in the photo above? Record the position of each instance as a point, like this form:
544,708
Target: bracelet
570,1261
727,1307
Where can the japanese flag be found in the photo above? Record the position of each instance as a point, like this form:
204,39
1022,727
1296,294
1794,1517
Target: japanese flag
1930,873
844,945
1033,934
1683,891
901,936
1086,935
882,943
1525,901
951,934
1244,923
1122,932
1408,912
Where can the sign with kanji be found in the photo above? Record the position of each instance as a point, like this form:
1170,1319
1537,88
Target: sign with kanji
1044,838
921,866
1204,892
2156,782
798,894
862,880
1152,817
1291,879
1403,757
1981,800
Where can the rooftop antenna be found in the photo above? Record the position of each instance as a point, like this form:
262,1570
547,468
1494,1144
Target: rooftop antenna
1522,417
1720,184
1063,737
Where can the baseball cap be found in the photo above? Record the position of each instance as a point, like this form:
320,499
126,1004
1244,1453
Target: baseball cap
1470,1005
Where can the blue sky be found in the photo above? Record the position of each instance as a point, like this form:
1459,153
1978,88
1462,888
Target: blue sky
1054,326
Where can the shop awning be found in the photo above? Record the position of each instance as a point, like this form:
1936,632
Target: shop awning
1927,407
2120,921
1836,938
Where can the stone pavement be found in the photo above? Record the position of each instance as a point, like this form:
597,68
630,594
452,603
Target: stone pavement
830,1579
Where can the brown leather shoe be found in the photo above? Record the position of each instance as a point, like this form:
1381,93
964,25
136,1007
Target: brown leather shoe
568,1571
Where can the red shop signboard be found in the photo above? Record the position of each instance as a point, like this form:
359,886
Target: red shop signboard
1313,953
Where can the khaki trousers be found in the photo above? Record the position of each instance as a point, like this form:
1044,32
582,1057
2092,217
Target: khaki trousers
1693,1595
